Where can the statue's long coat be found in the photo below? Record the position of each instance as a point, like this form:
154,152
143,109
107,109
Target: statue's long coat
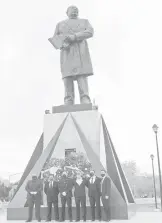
76,59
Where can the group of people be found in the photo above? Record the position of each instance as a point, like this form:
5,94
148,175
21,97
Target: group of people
98,190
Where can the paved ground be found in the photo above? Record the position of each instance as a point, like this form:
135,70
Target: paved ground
146,212
141,217
146,205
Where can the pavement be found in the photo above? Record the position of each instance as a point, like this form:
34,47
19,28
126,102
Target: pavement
141,217
146,213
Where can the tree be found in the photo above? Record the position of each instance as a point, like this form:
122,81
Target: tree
130,170
140,183
4,191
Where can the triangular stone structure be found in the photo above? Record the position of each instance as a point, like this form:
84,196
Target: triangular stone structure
69,138
85,122
85,131
20,198
128,191
35,156
54,124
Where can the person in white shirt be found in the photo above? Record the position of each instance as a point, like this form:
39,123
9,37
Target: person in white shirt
80,196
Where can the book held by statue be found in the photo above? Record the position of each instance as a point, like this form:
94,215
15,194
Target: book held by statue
57,41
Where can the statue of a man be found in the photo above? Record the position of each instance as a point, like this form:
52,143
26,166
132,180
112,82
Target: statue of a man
70,37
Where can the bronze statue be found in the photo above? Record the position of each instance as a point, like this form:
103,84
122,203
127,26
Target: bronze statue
70,37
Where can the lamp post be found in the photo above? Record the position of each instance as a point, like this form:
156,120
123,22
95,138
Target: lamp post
155,129
152,159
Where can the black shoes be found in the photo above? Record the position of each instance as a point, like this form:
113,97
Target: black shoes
31,220
79,220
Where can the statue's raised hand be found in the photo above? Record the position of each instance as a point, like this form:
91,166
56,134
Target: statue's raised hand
65,46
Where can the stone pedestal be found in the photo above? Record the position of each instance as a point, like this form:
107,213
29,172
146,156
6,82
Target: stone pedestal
82,128
72,108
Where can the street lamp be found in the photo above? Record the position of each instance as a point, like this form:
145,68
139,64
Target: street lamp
155,129
152,159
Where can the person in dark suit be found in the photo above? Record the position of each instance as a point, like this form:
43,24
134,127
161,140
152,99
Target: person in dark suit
80,195
65,186
34,190
105,194
51,190
94,193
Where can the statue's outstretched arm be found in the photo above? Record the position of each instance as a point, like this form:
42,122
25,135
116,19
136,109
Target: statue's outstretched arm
87,33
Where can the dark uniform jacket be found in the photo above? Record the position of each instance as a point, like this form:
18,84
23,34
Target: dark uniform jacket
34,186
52,193
94,189
65,185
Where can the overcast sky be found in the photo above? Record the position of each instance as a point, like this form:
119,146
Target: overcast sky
126,53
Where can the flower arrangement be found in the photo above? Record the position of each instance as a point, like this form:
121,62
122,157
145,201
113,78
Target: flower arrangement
72,163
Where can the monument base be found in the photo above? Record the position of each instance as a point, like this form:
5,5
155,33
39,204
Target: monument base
72,108
22,213
85,133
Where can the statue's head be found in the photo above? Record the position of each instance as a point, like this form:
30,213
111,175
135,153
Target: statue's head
72,12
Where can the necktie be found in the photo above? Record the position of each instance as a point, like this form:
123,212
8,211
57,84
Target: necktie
51,184
102,184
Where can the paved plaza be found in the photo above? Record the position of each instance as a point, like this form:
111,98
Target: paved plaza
140,217
145,213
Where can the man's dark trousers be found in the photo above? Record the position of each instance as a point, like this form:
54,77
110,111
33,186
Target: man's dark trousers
94,194
64,200
106,207
105,191
31,201
80,198
82,201
65,185
49,210
95,201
